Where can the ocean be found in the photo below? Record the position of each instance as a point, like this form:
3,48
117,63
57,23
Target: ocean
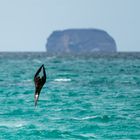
85,97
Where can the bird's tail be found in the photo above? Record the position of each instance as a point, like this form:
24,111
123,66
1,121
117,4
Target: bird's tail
36,99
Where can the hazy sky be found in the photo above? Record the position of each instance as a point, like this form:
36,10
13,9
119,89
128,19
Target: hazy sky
26,24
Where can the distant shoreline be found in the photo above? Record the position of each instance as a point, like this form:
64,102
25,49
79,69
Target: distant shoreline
47,53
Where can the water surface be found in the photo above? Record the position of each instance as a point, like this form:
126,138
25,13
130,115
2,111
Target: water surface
85,97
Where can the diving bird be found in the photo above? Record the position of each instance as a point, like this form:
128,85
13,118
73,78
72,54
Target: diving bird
39,82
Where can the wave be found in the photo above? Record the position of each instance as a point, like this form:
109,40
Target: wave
13,124
37,61
62,80
86,118
28,80
99,118
51,57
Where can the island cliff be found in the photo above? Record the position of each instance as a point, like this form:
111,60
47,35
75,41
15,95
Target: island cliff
80,41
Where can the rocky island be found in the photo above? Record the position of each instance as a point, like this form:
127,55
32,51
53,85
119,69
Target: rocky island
80,41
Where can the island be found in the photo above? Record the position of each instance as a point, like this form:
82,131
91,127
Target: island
80,41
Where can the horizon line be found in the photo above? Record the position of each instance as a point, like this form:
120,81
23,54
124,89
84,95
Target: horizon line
46,52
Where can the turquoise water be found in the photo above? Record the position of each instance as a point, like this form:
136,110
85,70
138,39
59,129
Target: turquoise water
85,97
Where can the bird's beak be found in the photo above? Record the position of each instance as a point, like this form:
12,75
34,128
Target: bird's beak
36,98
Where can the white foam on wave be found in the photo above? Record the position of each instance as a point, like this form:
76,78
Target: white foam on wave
86,118
89,117
28,80
51,57
89,135
37,61
62,80
13,124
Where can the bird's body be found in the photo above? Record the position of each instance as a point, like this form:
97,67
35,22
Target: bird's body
39,82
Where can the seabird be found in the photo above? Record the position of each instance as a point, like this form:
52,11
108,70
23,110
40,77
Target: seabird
39,82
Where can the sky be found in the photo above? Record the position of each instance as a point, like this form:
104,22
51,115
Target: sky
25,25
